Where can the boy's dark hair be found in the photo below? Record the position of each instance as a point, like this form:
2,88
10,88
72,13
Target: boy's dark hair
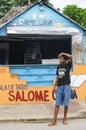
64,57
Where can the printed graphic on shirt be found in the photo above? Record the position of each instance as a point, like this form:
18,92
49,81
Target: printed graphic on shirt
61,72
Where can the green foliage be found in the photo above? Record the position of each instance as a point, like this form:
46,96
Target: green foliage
34,1
5,6
75,13
21,2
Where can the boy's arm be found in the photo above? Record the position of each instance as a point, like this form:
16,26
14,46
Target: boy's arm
55,85
67,55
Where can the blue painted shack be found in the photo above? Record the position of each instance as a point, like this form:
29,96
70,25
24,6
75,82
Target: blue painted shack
31,42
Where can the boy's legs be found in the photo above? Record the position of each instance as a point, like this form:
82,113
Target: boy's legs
55,116
65,114
59,101
67,96
56,113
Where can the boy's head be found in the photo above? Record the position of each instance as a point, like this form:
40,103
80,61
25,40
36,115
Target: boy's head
63,59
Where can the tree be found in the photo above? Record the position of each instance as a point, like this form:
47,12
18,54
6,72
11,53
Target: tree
75,13
34,1
5,6
21,2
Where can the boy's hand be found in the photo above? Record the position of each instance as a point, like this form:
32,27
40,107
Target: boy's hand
67,55
60,54
55,85
54,90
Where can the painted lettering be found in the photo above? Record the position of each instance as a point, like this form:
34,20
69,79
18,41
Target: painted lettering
31,95
12,97
46,95
18,96
39,96
24,96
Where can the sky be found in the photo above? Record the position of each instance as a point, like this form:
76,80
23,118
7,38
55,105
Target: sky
62,3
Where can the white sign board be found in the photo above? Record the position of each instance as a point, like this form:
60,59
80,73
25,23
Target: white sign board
42,30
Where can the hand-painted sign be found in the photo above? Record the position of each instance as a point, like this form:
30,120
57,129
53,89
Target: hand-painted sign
15,91
29,96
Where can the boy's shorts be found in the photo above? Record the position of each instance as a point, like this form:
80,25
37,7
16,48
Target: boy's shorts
63,95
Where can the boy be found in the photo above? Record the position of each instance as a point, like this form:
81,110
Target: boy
63,92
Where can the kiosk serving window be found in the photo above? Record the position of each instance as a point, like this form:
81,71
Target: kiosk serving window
37,50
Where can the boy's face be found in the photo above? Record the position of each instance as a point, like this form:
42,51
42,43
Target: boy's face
62,60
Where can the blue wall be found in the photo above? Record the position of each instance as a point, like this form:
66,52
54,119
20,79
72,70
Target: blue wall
35,75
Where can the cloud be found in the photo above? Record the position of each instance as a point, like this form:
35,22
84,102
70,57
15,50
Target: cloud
62,3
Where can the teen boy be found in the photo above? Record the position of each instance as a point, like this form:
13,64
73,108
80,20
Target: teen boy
62,86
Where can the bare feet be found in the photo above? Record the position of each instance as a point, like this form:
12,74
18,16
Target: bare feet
52,123
65,122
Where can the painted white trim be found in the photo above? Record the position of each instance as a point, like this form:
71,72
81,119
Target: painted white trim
77,80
